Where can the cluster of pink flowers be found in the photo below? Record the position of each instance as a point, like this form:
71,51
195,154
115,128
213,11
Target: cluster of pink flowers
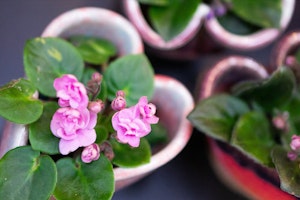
134,122
76,118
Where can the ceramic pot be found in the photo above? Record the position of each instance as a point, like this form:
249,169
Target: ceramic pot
173,102
237,171
255,40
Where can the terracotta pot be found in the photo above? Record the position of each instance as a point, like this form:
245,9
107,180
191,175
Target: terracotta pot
98,22
255,40
152,38
236,170
173,102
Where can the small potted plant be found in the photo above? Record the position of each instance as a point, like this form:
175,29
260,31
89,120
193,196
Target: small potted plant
248,25
251,121
80,121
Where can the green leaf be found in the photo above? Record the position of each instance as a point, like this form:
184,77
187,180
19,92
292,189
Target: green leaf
252,136
217,115
271,93
40,136
288,171
155,2
48,58
133,74
263,13
77,180
17,103
126,156
26,175
94,50
158,135
171,20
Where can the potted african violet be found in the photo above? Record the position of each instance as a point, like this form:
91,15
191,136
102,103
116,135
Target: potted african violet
248,25
251,122
79,118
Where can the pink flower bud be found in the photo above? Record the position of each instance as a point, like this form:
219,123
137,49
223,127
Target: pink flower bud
119,102
292,155
295,143
97,77
120,93
90,153
96,106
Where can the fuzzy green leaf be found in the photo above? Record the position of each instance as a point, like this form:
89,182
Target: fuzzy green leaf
217,115
25,174
127,156
48,58
94,50
274,92
77,180
288,171
155,2
17,103
252,136
40,136
171,20
133,74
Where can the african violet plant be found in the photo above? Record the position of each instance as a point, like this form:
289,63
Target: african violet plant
261,120
81,123
169,18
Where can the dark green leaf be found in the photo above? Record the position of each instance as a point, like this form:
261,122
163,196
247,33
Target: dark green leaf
40,135
133,74
263,13
171,20
48,58
252,135
77,180
93,50
17,103
288,171
158,135
217,115
155,2
26,175
271,93
126,156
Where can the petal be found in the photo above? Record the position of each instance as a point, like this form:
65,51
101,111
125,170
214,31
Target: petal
134,141
68,146
86,137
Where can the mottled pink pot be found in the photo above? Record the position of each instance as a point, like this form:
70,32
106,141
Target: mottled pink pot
98,22
241,177
252,41
173,102
285,47
152,38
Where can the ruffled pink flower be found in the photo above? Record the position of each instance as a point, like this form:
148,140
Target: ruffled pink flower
74,127
295,143
90,153
70,92
133,123
147,110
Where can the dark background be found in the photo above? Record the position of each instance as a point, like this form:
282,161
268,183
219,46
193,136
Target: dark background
189,176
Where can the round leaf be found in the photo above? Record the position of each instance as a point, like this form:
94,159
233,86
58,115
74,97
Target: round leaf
78,180
252,136
17,103
133,74
26,175
126,156
40,135
217,115
48,58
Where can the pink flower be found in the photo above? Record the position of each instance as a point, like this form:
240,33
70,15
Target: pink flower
129,126
70,92
295,143
147,111
74,127
90,153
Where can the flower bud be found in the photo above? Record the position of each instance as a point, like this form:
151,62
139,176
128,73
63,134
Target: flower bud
119,102
90,153
295,143
96,106
97,77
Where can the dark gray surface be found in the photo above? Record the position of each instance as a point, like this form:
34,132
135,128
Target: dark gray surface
189,175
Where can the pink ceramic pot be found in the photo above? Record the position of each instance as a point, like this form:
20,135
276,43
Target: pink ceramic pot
236,170
252,41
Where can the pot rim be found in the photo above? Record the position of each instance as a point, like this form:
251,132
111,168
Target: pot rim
252,41
152,38
97,15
